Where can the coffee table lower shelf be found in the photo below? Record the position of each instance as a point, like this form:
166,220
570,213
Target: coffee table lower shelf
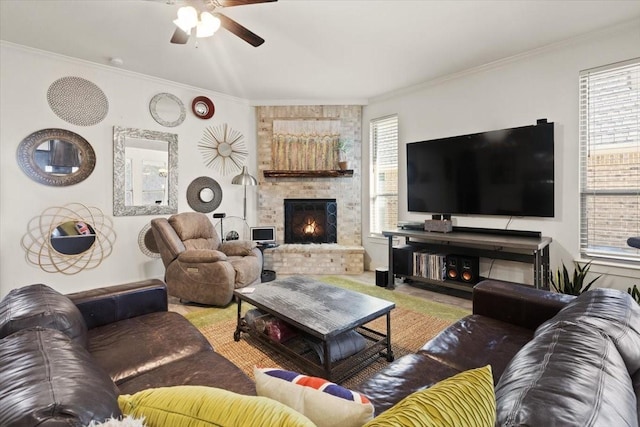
302,355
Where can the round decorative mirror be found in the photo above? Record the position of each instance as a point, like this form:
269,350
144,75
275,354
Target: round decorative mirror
203,107
223,148
204,194
68,239
72,237
167,109
56,157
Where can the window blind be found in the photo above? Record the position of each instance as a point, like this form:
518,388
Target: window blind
384,174
609,132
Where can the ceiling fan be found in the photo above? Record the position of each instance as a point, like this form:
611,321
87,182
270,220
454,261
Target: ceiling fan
204,18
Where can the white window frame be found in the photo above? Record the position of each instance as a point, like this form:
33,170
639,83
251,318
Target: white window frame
386,144
609,123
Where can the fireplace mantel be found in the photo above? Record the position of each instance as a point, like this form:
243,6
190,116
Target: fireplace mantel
308,174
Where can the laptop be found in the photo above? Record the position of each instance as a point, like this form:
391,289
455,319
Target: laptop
263,235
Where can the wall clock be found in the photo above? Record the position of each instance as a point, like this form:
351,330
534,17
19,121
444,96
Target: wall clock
223,149
203,107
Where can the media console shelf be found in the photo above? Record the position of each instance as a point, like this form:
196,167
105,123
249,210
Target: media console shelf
525,249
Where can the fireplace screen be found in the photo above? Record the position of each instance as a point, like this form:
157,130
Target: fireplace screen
310,221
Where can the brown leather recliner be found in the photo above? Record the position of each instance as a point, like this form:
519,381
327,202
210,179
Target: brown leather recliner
199,268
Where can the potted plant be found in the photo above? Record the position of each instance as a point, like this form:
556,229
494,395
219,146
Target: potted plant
564,284
344,145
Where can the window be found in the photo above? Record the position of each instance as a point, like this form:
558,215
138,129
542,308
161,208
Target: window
384,174
610,160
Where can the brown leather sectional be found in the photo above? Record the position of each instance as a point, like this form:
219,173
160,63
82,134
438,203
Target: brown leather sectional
556,360
65,359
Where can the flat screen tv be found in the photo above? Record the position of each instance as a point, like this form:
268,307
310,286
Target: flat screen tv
503,172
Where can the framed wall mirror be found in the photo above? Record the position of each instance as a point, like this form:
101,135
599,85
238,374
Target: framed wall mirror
145,172
56,157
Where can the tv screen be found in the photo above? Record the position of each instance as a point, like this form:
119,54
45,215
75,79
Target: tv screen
504,172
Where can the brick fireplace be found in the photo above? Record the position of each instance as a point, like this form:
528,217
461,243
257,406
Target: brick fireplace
346,254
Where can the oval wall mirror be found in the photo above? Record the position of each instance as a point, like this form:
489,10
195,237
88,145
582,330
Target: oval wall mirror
167,109
72,237
56,157
204,194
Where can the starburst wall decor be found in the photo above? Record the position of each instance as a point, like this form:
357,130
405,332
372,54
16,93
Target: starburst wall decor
223,149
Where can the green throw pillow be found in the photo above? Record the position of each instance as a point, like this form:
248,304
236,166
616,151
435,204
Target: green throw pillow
200,406
466,399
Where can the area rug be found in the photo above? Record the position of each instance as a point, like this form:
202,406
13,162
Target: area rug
413,322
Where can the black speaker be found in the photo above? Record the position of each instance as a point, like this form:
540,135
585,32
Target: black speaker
382,277
403,260
452,272
469,268
465,269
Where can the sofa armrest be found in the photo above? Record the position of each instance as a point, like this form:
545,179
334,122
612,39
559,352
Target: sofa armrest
237,247
516,303
200,256
110,304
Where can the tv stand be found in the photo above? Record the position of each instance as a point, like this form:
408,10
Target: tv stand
522,247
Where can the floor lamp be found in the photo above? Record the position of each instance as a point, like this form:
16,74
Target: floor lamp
244,179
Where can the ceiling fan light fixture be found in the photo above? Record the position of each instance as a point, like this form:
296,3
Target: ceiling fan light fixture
207,25
187,18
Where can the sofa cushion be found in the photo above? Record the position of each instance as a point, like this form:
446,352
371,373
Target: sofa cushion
569,375
140,344
313,396
476,341
48,379
610,311
197,406
40,305
466,399
203,368
404,376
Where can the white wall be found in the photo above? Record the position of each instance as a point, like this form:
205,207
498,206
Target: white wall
25,76
514,92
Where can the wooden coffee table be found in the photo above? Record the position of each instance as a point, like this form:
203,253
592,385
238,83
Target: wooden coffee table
324,312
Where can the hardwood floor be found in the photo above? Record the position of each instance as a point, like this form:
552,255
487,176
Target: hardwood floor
432,293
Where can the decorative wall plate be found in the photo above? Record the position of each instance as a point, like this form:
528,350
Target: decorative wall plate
203,107
223,149
204,194
167,109
77,101
147,242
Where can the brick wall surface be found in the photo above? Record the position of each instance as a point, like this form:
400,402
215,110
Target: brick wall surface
612,219
334,259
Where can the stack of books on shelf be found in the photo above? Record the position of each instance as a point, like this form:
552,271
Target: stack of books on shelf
430,265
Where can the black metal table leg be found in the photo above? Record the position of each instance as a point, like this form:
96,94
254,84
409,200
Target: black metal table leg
236,334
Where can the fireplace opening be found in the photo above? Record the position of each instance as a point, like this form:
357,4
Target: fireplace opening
310,221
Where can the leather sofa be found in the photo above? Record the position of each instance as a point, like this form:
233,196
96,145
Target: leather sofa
557,360
65,358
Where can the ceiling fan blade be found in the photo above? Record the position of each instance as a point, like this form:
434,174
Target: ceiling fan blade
230,3
240,31
179,37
